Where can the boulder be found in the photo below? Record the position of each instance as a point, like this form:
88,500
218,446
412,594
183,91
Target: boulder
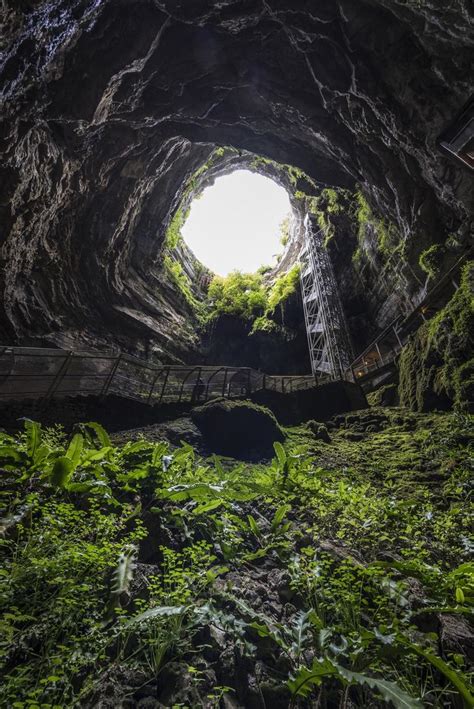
240,429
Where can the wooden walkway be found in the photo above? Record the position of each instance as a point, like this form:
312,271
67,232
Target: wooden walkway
43,374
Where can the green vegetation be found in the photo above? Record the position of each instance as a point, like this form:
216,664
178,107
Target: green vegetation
247,296
139,570
437,367
324,208
173,235
387,234
431,260
285,231
283,287
240,294
183,283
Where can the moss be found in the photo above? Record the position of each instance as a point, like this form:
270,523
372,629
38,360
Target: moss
431,259
182,283
386,233
324,207
173,233
386,395
436,367
237,428
283,287
264,324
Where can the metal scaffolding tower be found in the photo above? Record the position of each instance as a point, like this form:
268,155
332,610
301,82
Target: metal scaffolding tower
328,340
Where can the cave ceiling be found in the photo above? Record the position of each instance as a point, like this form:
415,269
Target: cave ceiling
109,106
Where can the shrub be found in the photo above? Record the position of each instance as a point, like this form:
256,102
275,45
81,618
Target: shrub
240,294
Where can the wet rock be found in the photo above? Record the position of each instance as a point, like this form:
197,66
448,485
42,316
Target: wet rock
456,635
237,428
319,430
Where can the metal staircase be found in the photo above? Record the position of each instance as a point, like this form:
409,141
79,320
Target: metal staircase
328,340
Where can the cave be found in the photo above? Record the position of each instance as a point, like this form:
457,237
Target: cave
244,489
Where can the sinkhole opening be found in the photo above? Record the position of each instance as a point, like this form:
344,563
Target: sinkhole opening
236,223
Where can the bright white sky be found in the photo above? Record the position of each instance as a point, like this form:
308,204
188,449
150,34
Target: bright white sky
236,223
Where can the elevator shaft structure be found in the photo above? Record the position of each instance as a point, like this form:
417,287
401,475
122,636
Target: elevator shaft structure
328,339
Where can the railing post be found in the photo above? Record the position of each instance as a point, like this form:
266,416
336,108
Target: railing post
155,379
249,383
379,352
224,383
59,377
109,379
264,381
165,381
396,335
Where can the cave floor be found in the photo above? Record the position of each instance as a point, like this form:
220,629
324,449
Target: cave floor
149,573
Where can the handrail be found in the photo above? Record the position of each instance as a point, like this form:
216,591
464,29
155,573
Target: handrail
396,333
43,373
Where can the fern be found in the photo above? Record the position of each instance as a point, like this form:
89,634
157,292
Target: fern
307,678
123,574
100,432
62,470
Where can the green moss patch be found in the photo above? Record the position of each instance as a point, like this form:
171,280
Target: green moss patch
436,367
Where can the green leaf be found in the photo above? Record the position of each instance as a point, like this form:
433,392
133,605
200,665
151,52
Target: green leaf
159,450
33,437
123,573
100,433
390,691
159,611
279,515
61,472
280,453
94,455
75,449
207,507
306,678
253,525
452,675
218,465
10,453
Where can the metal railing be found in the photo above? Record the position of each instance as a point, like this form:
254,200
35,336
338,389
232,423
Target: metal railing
383,351
43,374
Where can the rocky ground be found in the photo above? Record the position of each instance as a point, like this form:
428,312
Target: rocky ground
140,574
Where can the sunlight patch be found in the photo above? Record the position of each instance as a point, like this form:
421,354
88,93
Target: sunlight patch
235,223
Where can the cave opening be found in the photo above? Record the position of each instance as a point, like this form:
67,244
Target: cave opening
241,222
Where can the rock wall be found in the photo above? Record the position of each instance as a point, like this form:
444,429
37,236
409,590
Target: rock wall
110,106
437,366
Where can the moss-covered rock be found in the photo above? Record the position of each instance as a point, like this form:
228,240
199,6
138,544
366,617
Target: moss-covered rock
319,430
386,395
237,428
437,366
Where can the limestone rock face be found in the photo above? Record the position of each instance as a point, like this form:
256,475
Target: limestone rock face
109,106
